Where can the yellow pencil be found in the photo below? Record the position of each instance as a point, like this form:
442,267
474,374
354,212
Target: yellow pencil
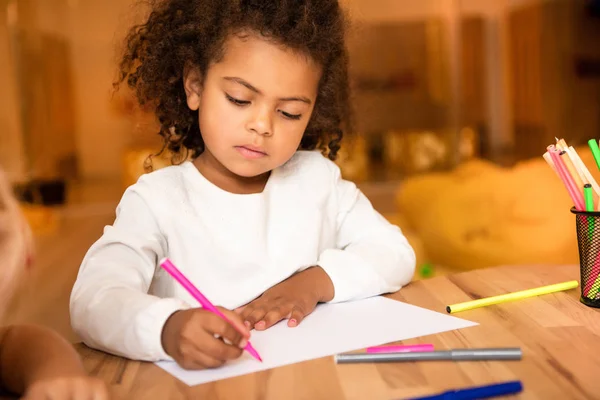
561,144
572,170
468,305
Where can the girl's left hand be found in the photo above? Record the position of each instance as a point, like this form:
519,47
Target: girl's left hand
292,299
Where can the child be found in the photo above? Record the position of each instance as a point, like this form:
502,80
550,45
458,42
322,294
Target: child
258,219
34,362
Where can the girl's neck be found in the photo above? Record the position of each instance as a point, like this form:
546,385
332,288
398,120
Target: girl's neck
217,174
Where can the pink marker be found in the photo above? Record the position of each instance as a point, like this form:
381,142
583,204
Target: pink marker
204,302
400,349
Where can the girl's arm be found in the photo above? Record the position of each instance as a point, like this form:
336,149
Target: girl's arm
33,357
372,256
110,307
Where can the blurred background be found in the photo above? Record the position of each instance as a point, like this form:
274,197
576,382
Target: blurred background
456,101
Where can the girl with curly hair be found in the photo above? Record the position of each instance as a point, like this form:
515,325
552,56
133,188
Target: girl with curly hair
255,93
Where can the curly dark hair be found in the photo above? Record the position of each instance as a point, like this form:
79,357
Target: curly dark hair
178,32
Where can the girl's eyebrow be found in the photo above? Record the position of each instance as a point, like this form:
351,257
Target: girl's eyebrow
255,90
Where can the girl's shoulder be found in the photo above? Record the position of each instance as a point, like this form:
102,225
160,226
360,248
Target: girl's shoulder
311,174
311,165
167,181
168,172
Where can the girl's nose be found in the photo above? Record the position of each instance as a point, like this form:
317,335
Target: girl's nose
261,122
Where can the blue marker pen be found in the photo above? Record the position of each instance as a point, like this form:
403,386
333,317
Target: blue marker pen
478,392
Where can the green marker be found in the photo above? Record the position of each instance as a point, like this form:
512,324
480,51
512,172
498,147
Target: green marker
589,207
595,151
426,270
589,198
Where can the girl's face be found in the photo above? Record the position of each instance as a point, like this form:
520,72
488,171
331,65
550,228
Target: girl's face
254,105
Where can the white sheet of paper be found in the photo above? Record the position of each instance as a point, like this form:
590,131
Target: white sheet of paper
330,329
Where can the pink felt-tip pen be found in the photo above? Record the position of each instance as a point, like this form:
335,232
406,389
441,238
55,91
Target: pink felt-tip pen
400,348
168,266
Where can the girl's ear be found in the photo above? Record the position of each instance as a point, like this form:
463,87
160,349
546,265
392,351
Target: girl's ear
192,83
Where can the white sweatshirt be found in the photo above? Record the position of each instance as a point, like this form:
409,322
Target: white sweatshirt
233,247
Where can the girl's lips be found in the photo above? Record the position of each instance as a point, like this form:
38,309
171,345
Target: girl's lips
250,152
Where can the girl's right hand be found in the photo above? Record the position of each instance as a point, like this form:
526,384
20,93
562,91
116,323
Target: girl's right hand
199,339
67,388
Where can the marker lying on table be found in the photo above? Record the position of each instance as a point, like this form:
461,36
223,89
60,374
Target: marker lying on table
468,305
510,353
204,302
400,348
477,392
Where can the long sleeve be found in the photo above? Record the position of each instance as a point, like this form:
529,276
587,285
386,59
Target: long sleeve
232,247
372,256
110,307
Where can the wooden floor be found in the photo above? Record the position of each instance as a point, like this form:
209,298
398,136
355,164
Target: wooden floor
43,297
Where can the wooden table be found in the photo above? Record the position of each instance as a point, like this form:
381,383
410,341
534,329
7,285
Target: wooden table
560,338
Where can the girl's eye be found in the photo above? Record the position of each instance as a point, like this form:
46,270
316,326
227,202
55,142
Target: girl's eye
242,103
237,102
291,116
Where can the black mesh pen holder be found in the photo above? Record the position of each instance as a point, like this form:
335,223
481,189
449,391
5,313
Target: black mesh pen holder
588,243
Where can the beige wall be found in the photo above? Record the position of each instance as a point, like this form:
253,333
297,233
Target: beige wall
11,140
101,133
497,64
395,10
96,27
496,43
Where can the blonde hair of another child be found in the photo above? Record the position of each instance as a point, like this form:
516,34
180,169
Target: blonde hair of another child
15,242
